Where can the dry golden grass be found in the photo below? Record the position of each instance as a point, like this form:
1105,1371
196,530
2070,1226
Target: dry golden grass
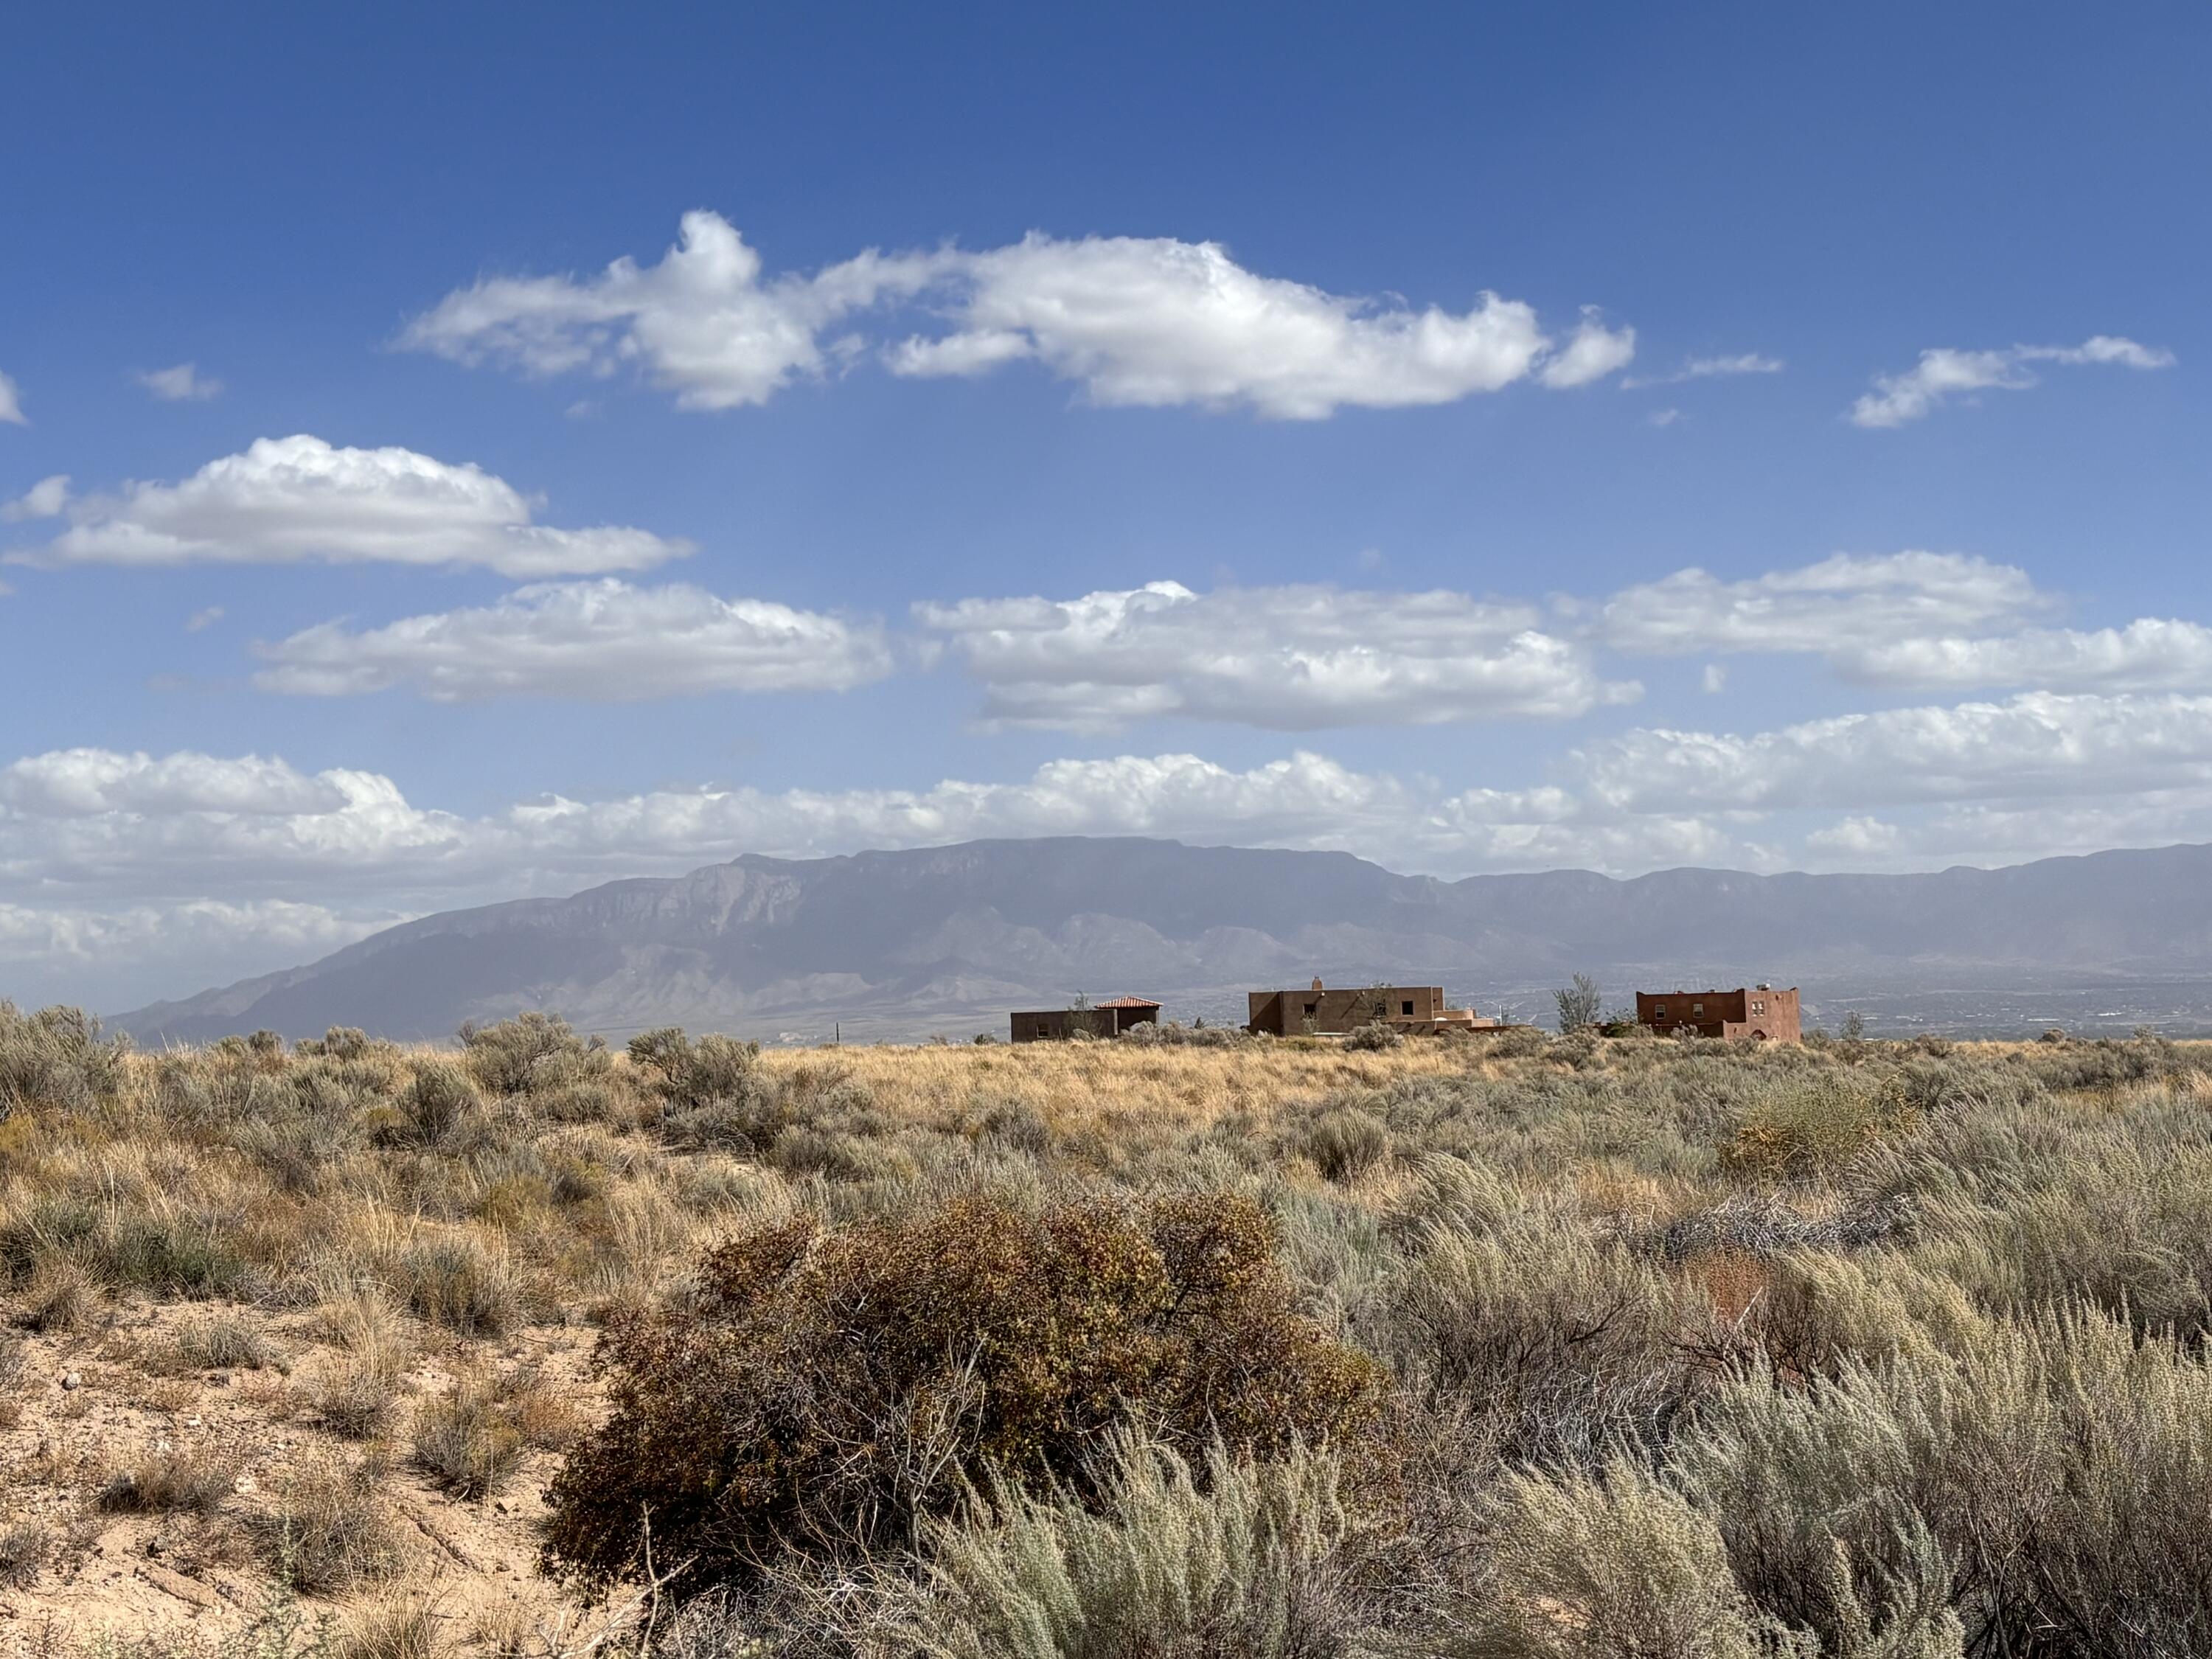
1116,1087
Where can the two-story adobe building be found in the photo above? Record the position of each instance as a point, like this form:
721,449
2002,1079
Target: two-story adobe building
1320,1012
1757,1014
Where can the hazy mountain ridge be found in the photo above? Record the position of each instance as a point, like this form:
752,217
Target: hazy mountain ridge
947,938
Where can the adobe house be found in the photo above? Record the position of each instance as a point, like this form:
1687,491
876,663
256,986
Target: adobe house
1759,1014
1414,1009
1108,1019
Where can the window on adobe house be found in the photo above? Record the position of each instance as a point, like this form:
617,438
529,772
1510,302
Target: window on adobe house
1407,1009
1659,1013
1043,1029
1313,1007
1758,1007
1697,1007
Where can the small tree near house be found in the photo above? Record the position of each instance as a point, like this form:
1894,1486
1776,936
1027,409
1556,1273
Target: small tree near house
1578,1004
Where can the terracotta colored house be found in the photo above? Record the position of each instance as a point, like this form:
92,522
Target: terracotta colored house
1323,1012
1758,1014
1105,1019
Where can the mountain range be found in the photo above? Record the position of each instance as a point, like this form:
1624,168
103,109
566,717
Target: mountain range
947,939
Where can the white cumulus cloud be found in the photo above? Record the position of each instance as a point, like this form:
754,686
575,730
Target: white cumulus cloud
1594,352
184,384
1943,372
1848,600
701,323
2151,653
2037,745
91,783
11,404
1289,659
1154,321
605,641
286,499
1134,320
43,499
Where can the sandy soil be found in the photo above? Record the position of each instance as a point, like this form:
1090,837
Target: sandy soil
90,1403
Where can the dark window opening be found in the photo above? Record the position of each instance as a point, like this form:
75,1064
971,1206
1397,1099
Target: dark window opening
1407,1009
1313,1007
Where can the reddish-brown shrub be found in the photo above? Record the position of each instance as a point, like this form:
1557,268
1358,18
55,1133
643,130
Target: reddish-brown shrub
823,1387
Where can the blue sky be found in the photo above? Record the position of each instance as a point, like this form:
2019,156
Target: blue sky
1481,439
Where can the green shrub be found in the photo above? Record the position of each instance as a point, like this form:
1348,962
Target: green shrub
465,1442
713,1094
1174,1034
173,1255
456,1281
1613,1565
1017,1127
222,1342
194,1478
1802,1126
1346,1143
800,1152
298,1155
689,1074
24,1547
2050,1481
528,1053
327,1528
1522,1042
67,1248
61,1295
1374,1037
1234,1557
340,1042
748,1125
581,1098
1563,1345
57,1058
354,1396
260,1051
438,1104
406,1626
822,1387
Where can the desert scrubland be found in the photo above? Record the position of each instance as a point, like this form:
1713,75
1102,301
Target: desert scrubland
1186,1345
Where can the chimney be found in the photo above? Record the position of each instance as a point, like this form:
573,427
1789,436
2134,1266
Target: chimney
1317,982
